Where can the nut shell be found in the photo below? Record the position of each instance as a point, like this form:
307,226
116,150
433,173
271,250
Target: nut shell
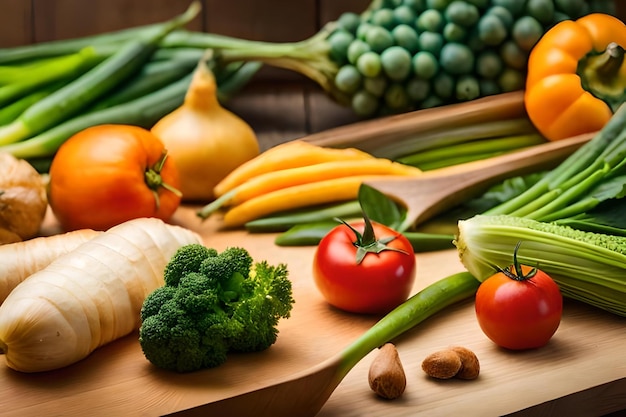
470,366
443,364
386,375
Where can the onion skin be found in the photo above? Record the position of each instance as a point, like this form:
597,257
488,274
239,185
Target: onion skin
23,200
205,140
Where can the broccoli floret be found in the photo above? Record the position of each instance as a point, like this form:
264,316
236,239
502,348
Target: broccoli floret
153,302
174,340
267,299
187,259
213,303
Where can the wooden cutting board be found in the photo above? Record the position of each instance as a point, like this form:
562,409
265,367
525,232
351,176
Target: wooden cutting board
581,372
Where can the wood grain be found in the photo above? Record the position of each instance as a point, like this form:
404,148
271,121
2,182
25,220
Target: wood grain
587,353
16,26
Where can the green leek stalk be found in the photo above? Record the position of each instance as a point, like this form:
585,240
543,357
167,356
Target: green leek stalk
52,49
472,150
594,173
142,111
70,99
12,111
14,86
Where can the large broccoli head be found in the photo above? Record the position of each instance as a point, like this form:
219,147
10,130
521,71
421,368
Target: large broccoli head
213,303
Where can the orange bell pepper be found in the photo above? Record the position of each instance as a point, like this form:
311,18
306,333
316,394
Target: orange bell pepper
576,76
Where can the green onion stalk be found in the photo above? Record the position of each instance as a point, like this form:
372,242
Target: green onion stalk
592,175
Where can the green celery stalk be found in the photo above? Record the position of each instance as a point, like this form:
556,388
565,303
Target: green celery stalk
589,267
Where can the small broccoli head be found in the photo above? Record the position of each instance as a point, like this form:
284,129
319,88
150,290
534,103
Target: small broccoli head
153,302
186,259
230,269
213,303
239,259
178,341
198,294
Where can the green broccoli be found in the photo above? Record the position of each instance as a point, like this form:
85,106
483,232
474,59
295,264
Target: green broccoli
212,304
187,259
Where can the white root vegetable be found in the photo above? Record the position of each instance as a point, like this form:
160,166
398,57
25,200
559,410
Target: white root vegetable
20,260
88,297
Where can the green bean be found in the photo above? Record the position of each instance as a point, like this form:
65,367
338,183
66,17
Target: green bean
308,234
283,221
312,233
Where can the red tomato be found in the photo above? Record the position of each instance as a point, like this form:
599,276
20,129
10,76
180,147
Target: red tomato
377,284
108,174
519,313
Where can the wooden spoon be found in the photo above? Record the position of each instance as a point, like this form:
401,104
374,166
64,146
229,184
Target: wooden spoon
441,189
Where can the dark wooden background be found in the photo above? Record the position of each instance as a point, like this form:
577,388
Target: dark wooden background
280,105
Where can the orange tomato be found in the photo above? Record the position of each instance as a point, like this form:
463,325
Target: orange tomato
108,174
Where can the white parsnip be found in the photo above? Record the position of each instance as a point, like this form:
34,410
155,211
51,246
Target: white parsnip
21,259
87,297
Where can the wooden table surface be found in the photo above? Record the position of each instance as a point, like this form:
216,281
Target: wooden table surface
581,372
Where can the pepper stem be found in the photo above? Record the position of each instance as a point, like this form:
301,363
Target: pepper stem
155,181
602,75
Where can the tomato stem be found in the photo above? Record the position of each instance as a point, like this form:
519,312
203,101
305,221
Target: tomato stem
518,275
367,241
155,181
